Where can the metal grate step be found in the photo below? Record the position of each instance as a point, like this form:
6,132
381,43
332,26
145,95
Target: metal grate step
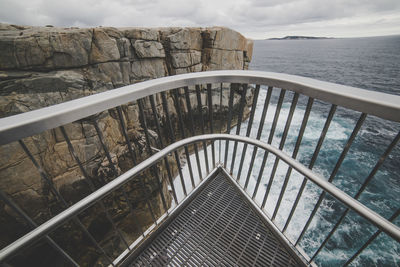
216,228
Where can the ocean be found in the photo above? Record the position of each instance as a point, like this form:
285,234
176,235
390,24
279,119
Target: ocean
369,63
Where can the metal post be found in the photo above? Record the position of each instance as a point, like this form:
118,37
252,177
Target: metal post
153,168
32,224
200,111
333,174
190,113
133,157
62,200
91,185
228,127
294,154
311,165
239,123
210,118
220,121
181,128
362,188
158,127
270,137
249,126
281,144
372,238
259,132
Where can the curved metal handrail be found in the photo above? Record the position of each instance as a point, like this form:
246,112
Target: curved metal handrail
27,124
88,201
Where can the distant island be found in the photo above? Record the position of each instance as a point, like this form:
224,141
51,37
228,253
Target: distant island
300,38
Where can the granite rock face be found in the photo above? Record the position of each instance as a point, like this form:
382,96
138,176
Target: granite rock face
42,66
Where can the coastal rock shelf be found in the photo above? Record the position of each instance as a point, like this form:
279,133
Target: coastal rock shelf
43,66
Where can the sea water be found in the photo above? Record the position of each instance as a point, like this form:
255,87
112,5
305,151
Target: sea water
368,63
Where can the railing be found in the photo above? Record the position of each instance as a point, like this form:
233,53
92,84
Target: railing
211,118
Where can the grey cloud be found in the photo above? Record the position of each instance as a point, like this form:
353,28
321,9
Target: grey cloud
247,16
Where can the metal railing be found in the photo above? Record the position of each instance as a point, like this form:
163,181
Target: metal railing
207,117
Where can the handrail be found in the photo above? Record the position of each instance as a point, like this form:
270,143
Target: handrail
30,123
88,201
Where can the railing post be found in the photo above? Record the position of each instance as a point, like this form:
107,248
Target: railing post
311,165
154,170
161,143
200,111
190,113
239,123
259,132
133,158
91,185
32,224
270,137
228,127
364,185
62,200
372,238
333,174
249,126
210,118
181,128
294,154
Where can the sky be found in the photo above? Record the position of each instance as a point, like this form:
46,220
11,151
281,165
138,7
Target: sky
257,19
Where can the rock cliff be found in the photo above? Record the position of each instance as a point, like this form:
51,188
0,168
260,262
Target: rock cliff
42,66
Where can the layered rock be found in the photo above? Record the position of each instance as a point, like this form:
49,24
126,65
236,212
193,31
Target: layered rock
42,66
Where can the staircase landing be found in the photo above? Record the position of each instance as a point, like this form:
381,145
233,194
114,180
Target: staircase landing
217,227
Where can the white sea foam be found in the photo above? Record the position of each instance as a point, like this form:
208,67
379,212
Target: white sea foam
338,133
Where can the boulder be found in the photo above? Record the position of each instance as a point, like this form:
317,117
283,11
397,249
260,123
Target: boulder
104,48
148,49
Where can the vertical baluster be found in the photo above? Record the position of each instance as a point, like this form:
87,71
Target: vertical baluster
281,144
153,168
161,143
62,200
172,135
200,111
114,170
270,137
132,153
334,172
190,113
220,121
33,225
91,185
259,132
362,188
181,128
239,123
210,118
249,126
228,127
311,165
294,154
372,238
125,134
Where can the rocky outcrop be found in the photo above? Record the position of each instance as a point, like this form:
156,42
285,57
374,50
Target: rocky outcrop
42,66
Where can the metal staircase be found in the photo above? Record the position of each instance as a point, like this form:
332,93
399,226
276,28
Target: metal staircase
218,227
215,219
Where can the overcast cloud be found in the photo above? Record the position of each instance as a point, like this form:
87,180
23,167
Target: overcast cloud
257,19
